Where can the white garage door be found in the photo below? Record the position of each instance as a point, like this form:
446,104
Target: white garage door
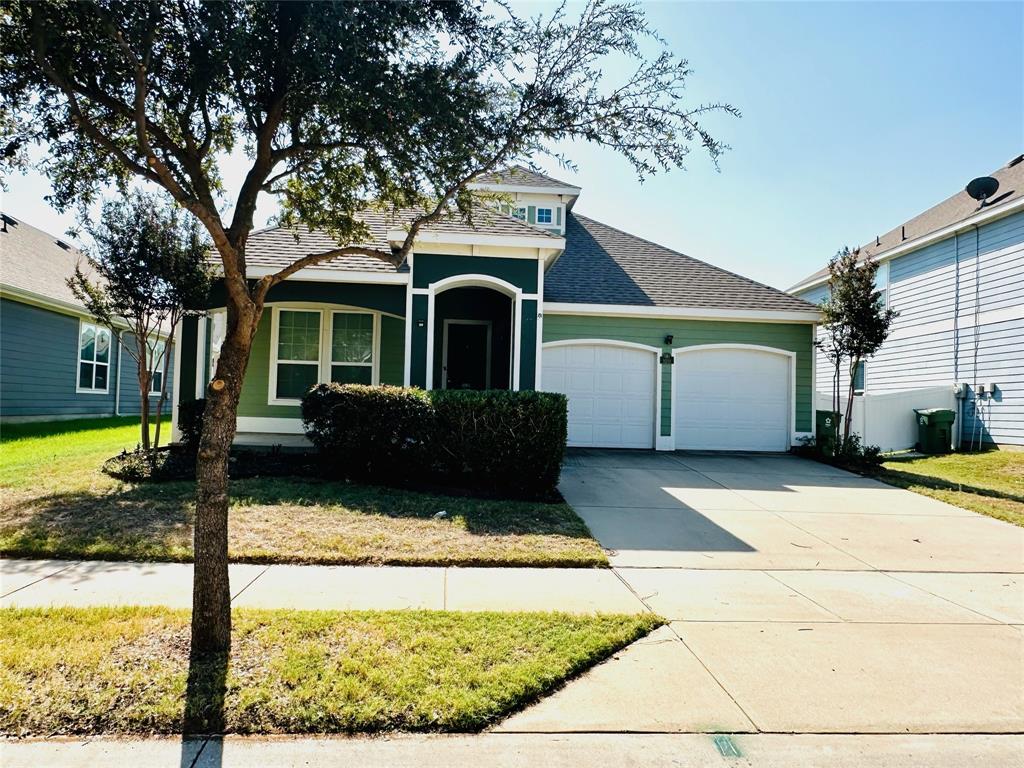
732,400
610,390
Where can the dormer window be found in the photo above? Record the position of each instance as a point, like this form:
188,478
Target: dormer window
544,216
519,213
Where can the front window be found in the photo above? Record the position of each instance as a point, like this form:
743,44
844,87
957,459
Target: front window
93,358
352,348
298,352
543,215
157,364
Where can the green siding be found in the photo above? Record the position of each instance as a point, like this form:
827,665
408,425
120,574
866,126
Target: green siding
429,268
392,350
187,375
793,337
256,386
528,346
418,358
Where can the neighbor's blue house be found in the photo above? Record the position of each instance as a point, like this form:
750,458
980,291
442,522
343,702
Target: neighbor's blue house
955,274
55,361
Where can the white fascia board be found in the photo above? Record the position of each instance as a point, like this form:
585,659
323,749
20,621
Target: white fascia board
683,313
526,189
319,275
983,216
459,238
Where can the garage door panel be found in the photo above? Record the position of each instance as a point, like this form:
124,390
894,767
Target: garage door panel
610,390
732,399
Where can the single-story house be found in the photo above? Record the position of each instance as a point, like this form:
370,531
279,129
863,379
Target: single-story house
955,274
56,362
653,348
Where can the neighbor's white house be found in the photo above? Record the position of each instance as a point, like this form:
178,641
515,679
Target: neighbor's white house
955,274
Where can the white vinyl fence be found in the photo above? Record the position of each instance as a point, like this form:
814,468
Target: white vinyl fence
887,419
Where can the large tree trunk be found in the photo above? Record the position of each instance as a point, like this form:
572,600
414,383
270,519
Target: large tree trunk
211,592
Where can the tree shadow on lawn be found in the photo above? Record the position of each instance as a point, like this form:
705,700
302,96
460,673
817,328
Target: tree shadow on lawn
154,521
904,478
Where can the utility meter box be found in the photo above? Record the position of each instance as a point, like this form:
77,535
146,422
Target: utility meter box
934,429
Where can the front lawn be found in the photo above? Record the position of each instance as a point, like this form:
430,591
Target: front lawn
56,503
123,670
989,482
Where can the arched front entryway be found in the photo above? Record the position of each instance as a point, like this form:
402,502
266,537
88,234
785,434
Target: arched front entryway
473,324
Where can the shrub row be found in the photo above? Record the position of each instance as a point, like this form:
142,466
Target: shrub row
497,441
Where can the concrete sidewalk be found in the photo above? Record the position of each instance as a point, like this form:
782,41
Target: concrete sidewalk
548,750
32,583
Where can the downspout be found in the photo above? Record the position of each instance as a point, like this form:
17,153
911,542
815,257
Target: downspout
958,424
117,378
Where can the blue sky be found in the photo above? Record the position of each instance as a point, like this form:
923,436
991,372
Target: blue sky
856,117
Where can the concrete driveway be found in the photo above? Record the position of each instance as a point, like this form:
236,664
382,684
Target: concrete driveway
802,599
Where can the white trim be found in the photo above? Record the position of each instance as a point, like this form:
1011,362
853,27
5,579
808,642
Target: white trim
538,352
459,238
658,440
694,313
323,275
814,382
117,377
79,389
526,189
680,351
162,358
201,358
270,425
444,348
475,280
983,216
176,383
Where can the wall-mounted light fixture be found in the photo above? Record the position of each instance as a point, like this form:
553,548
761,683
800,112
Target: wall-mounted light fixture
668,338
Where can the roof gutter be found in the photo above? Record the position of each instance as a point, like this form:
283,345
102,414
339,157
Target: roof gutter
983,216
684,313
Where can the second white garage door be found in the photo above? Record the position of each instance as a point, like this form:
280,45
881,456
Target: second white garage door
611,393
732,399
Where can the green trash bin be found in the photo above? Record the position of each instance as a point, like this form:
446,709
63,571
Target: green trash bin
934,429
826,432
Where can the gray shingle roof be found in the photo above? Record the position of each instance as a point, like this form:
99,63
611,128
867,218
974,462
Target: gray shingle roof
276,247
603,265
520,175
32,260
950,211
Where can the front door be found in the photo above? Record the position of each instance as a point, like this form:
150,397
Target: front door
467,354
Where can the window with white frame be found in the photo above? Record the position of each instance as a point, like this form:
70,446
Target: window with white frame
352,347
312,345
519,213
882,284
157,365
859,375
544,216
93,358
297,352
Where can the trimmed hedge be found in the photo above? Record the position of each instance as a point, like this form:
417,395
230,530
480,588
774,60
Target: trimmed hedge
368,433
496,441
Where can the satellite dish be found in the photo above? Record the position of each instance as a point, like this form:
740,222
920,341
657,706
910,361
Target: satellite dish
982,188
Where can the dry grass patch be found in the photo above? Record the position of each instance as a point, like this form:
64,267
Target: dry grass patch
124,670
56,503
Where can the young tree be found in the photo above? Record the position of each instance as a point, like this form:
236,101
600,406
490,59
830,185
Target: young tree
338,105
147,269
855,322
